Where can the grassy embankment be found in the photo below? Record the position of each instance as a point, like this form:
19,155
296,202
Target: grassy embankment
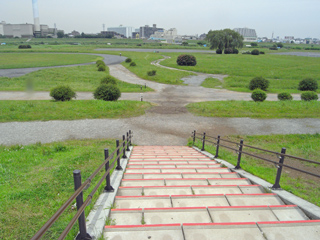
266,109
35,180
283,72
79,78
305,146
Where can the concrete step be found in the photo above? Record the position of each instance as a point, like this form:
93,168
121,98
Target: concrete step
180,165
177,170
179,175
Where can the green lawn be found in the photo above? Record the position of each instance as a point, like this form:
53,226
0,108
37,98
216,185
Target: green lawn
35,180
300,145
266,109
211,83
79,78
27,60
71,110
283,72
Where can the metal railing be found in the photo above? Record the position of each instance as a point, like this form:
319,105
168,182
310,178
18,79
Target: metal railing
216,141
121,148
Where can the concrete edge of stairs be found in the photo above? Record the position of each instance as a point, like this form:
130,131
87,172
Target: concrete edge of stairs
97,217
311,210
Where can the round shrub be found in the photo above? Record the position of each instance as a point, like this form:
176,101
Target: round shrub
258,95
100,62
228,51
109,80
284,96
218,51
152,73
308,84
309,96
128,60
235,51
133,64
186,60
107,92
255,52
24,46
62,93
261,52
259,82
101,68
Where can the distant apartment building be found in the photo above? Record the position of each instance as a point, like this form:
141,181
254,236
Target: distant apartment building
249,35
146,31
122,30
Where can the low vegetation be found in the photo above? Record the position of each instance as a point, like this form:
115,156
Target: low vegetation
309,96
300,145
107,92
267,109
186,60
285,96
62,93
258,95
81,109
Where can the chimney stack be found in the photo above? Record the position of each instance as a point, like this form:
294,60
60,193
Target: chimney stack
37,30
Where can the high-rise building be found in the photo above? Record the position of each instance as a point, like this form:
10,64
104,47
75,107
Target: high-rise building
248,34
122,30
146,31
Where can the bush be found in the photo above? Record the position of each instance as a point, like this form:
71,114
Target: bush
258,95
259,82
247,52
107,92
309,96
128,60
308,84
254,44
228,51
273,48
218,51
235,51
255,52
261,52
62,93
186,60
133,64
24,46
109,80
284,96
280,45
101,68
152,73
100,62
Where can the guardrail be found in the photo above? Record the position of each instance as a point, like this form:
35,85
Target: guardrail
121,148
281,155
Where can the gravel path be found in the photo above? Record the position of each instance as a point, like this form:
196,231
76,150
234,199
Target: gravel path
167,123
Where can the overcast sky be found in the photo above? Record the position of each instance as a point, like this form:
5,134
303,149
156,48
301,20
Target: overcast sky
298,18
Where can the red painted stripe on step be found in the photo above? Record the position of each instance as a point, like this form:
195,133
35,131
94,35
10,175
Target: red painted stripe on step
255,206
175,208
151,196
142,226
126,209
252,194
227,178
183,179
219,224
142,179
286,222
188,186
198,195
216,186
142,168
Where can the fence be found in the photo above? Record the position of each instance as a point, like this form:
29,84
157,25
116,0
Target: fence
121,148
281,155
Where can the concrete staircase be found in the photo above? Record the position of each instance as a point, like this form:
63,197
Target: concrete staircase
179,193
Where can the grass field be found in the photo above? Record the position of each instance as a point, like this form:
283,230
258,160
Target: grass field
211,83
79,78
300,145
266,109
35,180
283,72
71,110
27,60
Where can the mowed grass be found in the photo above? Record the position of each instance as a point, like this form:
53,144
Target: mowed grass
300,145
28,60
35,181
283,72
79,78
211,83
266,109
82,109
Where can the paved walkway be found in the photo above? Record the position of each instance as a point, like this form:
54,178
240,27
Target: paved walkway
179,193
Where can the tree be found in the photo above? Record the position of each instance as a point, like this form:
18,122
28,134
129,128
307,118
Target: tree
222,39
60,34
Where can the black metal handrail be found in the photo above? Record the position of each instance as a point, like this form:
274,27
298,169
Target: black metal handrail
281,155
78,194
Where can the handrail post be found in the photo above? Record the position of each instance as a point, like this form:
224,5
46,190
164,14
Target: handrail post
194,137
128,149
130,137
124,146
203,141
108,187
217,149
82,221
239,154
277,183
118,156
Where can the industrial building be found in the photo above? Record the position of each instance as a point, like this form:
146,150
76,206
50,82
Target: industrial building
26,30
146,31
122,30
249,35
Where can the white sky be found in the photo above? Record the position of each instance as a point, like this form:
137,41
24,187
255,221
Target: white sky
298,18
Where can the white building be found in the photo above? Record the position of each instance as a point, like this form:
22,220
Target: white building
168,36
126,31
249,35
